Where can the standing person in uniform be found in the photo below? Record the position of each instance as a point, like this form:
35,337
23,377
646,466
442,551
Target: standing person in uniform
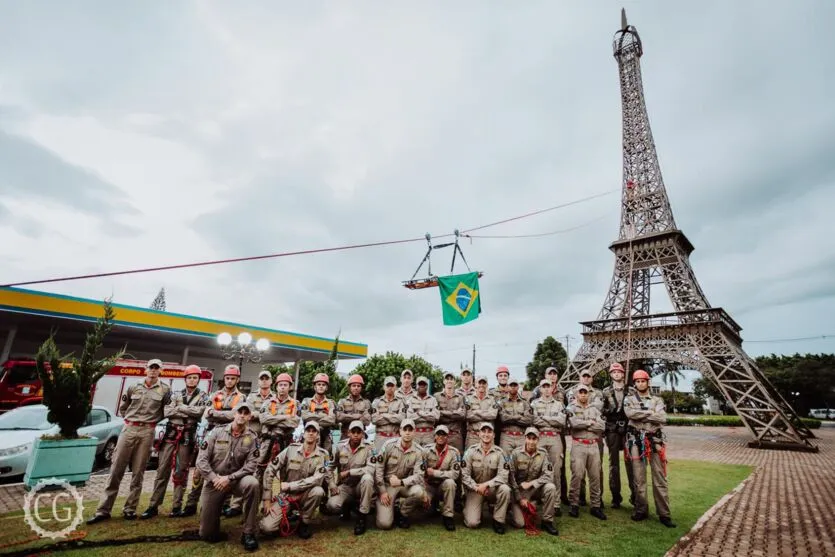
645,442
614,397
485,474
406,392
467,387
453,412
219,413
531,478
301,473
442,464
387,412
502,376
595,398
279,419
353,407
179,442
481,407
423,410
399,475
256,400
228,458
321,410
514,416
587,426
549,419
142,407
552,375
352,482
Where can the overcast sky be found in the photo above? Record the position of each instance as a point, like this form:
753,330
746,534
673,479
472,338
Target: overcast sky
138,134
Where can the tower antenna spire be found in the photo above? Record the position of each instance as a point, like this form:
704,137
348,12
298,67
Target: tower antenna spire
623,24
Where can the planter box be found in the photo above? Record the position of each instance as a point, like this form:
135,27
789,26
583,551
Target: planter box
66,459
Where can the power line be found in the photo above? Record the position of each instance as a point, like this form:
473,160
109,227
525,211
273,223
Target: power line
301,252
796,339
540,235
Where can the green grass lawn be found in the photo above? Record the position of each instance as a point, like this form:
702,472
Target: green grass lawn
694,488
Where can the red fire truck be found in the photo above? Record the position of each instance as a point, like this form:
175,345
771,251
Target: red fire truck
20,385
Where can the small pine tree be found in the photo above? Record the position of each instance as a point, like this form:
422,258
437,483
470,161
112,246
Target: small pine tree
549,352
159,302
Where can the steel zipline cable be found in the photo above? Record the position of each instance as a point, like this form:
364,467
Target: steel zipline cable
303,252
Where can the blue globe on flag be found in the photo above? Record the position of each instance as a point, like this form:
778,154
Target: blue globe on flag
462,299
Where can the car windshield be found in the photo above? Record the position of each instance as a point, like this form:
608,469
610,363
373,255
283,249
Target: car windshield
25,417
21,374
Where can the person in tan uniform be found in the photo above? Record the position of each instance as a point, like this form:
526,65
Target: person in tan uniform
221,411
353,407
227,460
614,397
423,410
502,389
587,427
442,468
398,475
452,412
532,479
406,392
280,416
645,443
552,375
256,400
387,412
179,442
298,472
352,483
549,419
515,415
481,407
596,400
321,410
467,387
142,407
485,474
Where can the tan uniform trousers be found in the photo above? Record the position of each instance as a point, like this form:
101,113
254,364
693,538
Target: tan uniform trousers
166,467
471,439
211,503
380,439
553,445
308,503
511,440
444,492
585,459
499,496
263,460
362,492
455,439
659,482
547,497
134,447
410,499
425,438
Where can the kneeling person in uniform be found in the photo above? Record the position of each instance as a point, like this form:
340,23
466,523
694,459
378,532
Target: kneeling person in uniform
300,472
399,476
227,461
352,467
443,467
531,477
485,473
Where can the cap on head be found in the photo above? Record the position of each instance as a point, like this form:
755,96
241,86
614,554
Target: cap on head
551,370
441,428
582,388
406,372
356,424
532,431
264,373
585,372
545,381
390,380
408,422
449,375
423,379
243,404
481,379
153,362
232,369
466,370
513,381
487,425
314,425
192,370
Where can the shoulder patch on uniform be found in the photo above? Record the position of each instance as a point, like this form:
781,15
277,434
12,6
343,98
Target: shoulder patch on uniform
257,453
204,445
423,466
506,466
456,466
322,470
275,460
463,464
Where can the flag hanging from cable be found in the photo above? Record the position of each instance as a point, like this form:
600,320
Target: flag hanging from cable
460,298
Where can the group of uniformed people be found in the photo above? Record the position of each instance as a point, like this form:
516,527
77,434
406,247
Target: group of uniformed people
466,448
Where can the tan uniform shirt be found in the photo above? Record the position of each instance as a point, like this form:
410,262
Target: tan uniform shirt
424,411
525,467
406,396
145,404
386,415
646,413
515,415
406,464
321,411
465,392
279,416
446,465
500,392
349,409
548,414
296,471
595,397
185,408
223,453
222,408
481,409
256,399
587,422
480,467
356,462
452,410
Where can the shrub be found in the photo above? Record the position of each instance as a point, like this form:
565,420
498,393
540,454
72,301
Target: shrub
725,421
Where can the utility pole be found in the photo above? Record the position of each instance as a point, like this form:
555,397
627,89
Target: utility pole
473,359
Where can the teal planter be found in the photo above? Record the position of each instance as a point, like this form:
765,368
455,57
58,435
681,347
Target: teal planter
66,459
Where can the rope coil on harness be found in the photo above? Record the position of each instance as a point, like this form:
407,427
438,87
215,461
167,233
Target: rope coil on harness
289,509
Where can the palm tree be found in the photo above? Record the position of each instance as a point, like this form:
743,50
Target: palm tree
671,376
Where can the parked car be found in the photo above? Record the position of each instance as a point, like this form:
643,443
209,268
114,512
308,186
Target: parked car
21,426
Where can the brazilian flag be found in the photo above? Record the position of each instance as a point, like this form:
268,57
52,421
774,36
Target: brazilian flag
460,298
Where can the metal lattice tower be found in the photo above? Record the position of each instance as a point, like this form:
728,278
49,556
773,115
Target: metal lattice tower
650,249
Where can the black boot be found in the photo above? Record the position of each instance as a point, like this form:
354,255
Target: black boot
597,512
637,517
249,542
449,523
176,512
616,503
346,513
149,513
498,527
574,511
362,524
550,528
230,512
404,522
667,521
99,518
304,530
190,510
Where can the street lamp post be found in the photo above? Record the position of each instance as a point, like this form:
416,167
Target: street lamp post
242,348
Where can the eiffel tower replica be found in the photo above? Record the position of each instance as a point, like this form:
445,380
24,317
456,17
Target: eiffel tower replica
651,249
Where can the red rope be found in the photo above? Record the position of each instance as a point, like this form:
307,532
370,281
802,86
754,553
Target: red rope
529,512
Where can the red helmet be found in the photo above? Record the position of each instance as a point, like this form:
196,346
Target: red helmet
502,369
616,367
284,377
356,378
232,369
321,378
640,374
192,370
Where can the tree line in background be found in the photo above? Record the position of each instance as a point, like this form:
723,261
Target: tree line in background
806,381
